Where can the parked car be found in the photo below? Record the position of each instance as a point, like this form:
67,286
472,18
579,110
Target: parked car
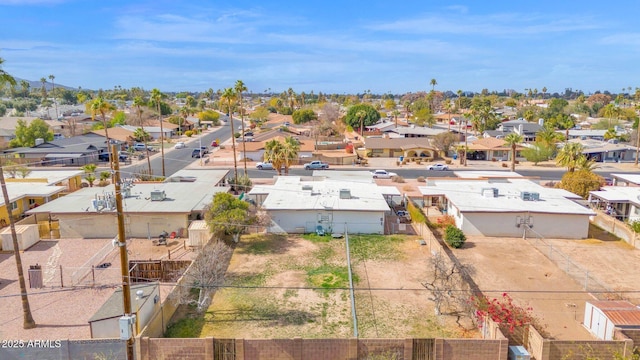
205,150
316,165
180,145
214,143
106,156
245,139
197,153
139,147
383,174
438,167
264,166
248,133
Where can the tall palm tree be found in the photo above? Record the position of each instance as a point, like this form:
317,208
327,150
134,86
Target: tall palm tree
53,92
5,77
290,149
275,154
228,95
513,140
571,156
156,99
433,84
138,103
239,89
395,114
43,89
100,106
448,107
610,111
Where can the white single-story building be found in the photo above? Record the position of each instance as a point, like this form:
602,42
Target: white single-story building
298,205
601,317
149,209
509,207
145,302
623,202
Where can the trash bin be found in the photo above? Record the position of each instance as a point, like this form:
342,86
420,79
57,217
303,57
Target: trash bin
35,276
401,158
455,156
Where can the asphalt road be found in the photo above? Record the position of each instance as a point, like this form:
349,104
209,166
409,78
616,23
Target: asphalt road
177,159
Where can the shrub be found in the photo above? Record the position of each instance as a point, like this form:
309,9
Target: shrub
421,179
635,226
416,214
504,165
448,161
188,133
446,221
397,179
454,237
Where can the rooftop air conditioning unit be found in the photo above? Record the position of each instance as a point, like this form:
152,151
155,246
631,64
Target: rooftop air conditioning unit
158,195
529,196
307,187
345,194
490,192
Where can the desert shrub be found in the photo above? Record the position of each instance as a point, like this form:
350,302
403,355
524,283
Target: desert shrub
416,213
421,179
448,161
635,226
446,221
188,133
454,237
397,179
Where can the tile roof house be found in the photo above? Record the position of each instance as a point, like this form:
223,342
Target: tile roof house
521,127
492,148
396,147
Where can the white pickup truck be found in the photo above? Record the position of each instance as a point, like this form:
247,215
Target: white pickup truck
316,165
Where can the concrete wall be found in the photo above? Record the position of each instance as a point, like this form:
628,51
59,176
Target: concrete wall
365,222
503,225
616,227
68,350
105,225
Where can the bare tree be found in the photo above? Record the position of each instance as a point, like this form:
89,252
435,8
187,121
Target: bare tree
449,291
205,274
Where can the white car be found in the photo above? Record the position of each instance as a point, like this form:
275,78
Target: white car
264,166
383,174
180,145
438,167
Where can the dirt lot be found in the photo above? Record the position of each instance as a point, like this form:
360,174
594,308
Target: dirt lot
305,293
512,265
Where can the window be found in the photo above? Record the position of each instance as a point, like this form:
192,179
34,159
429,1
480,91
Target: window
13,206
32,201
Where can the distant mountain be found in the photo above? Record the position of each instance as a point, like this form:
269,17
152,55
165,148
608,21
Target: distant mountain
47,85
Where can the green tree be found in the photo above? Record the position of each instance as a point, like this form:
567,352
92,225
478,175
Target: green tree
290,150
228,97
361,114
389,104
303,116
228,215
156,101
580,182
538,152
89,173
444,141
611,111
209,115
100,106
513,140
372,115
274,152
424,117
141,135
483,117
571,156
26,135
454,236
433,84
260,114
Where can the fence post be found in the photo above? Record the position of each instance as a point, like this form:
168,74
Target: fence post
61,278
93,274
169,252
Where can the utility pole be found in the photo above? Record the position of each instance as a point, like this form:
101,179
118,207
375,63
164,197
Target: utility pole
28,322
122,244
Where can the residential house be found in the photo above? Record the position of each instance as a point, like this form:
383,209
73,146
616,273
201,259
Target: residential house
606,151
255,149
413,131
24,196
75,151
622,202
589,134
521,127
625,180
410,147
490,148
509,208
119,133
298,205
149,208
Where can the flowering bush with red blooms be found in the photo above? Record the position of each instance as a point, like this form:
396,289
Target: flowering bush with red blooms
446,221
502,311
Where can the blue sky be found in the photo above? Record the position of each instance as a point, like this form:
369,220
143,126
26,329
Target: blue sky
328,46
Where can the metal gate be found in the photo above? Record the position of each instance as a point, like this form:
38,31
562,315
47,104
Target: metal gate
423,349
224,349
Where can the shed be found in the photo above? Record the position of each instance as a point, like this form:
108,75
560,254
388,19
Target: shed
601,317
27,235
145,303
199,234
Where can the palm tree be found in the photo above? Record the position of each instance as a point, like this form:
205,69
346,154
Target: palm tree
433,84
361,114
43,89
100,106
90,170
239,89
156,99
53,92
459,92
290,150
274,153
228,96
395,114
448,107
5,77
482,115
139,102
513,140
571,156
610,111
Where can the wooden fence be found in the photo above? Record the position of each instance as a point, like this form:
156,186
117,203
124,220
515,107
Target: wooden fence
157,270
